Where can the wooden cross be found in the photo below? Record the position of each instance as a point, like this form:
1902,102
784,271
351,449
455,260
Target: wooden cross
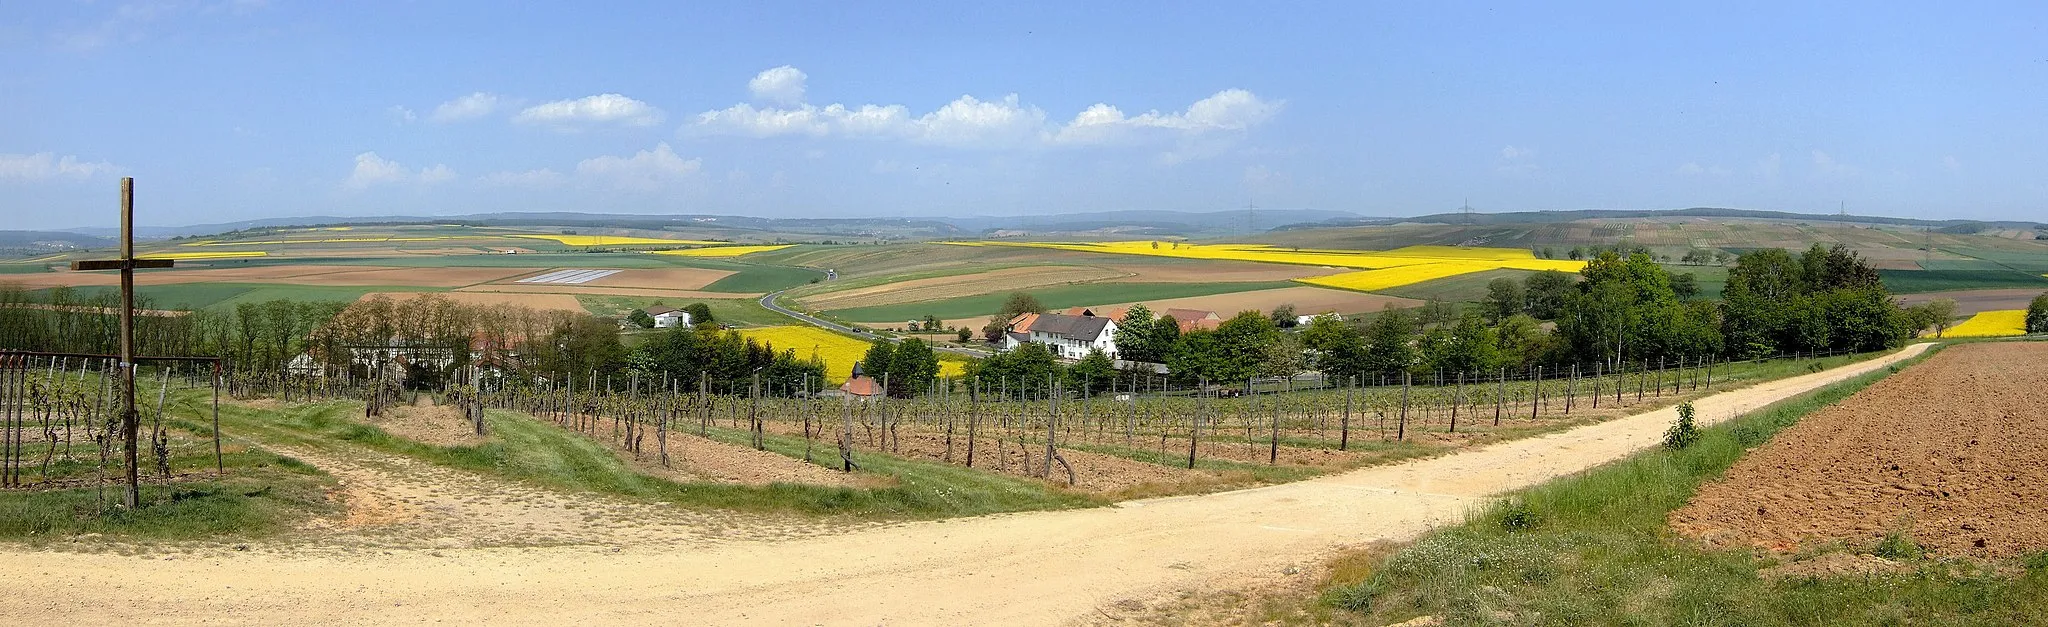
131,422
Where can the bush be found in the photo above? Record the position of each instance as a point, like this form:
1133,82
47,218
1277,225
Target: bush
1684,432
1898,546
1519,517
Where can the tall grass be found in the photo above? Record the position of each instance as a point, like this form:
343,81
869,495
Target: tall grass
1595,549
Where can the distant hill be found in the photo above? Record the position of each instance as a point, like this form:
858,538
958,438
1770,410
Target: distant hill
1545,217
18,243
1151,223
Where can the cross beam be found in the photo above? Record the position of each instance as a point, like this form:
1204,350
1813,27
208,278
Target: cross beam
131,423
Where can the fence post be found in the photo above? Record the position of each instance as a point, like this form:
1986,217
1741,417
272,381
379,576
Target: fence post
1401,428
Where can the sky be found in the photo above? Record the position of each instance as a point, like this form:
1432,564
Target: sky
234,110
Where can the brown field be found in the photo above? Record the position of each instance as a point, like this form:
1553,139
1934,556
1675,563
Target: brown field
533,301
499,288
301,275
666,279
1970,302
937,288
1952,452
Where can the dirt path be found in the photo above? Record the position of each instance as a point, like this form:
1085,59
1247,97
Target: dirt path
1036,568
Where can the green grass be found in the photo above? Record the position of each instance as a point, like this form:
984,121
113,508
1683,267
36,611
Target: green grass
23,268
538,452
1917,281
1053,297
1595,549
734,311
263,494
758,278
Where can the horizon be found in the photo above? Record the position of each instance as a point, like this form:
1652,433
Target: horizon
453,109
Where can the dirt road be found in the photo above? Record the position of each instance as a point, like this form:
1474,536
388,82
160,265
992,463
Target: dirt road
1036,568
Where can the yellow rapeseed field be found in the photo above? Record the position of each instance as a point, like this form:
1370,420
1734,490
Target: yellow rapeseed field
1992,324
1384,268
839,352
223,254
614,240
721,251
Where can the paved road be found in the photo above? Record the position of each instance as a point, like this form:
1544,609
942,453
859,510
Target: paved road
768,301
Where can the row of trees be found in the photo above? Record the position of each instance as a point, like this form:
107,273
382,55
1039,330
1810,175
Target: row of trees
2037,314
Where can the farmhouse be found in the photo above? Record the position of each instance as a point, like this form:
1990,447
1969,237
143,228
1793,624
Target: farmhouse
1194,319
1068,337
667,317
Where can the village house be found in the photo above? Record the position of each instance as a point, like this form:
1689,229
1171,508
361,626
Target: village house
1068,337
668,317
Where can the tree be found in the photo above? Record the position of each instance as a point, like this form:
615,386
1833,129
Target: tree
913,367
1504,297
2037,314
1025,368
1092,374
1387,343
879,358
1438,311
639,318
1546,292
1336,348
700,313
1470,347
1685,286
1017,304
1940,313
996,327
1138,337
963,334
1283,316
1243,340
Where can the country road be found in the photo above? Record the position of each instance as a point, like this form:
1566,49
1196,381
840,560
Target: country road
768,302
1016,569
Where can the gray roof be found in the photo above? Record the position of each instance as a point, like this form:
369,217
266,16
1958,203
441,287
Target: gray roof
1084,328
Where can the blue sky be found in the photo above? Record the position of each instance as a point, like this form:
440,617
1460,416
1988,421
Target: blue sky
234,110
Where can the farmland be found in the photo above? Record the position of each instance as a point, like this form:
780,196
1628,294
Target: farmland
838,352
1997,323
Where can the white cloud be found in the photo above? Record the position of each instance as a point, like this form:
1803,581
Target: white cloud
968,121
43,166
468,107
598,109
372,170
1512,153
1827,167
1768,167
784,85
534,179
402,114
645,170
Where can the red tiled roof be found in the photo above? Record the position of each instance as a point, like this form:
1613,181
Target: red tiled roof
862,386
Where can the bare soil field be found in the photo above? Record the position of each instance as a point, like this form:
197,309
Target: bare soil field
535,301
537,288
1970,302
296,274
1952,452
1306,301
423,421
936,288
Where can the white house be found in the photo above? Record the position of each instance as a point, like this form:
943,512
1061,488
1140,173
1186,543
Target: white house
666,317
1068,337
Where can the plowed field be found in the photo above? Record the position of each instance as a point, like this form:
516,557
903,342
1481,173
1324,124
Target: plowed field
1953,452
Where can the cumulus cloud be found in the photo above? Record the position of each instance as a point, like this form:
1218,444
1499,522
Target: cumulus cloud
372,170
784,85
401,114
645,170
971,121
43,166
598,109
468,107
1827,167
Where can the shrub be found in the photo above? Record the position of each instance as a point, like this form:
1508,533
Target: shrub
1519,517
1897,546
1684,432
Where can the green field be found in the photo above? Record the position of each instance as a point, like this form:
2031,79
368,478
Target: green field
732,311
1917,281
1464,288
1053,297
